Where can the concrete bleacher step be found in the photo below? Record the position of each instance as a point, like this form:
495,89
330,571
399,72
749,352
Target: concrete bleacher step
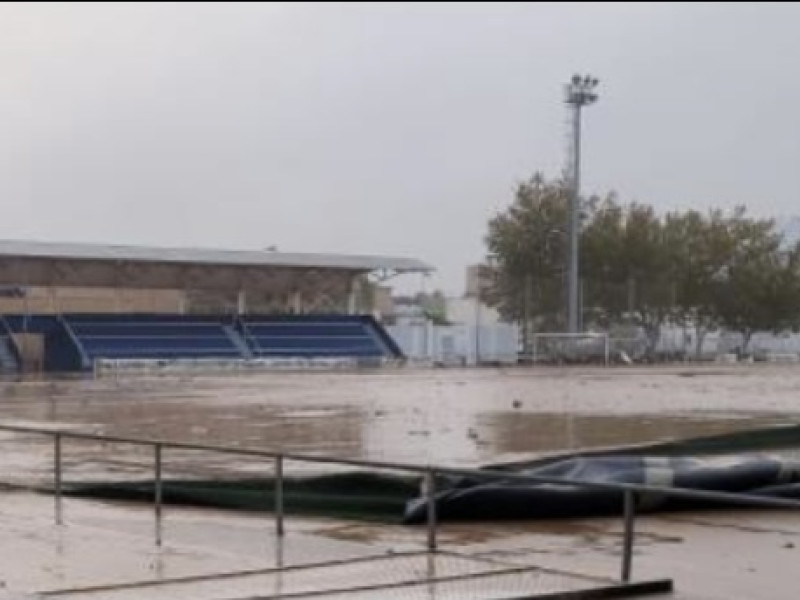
407,576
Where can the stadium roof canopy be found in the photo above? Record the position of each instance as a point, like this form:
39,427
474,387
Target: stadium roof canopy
248,258
74,264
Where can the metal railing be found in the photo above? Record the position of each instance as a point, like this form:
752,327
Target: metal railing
630,491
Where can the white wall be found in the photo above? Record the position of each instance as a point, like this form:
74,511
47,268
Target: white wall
457,344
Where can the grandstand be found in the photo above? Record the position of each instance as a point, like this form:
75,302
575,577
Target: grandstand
141,304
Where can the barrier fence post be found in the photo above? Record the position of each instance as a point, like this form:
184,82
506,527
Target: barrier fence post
57,476
430,489
279,495
629,508
158,490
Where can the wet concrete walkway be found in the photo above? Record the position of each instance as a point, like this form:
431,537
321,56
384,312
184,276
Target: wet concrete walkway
109,551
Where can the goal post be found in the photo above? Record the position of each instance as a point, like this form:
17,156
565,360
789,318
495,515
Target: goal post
561,347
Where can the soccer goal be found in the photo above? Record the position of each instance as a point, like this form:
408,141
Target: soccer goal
565,348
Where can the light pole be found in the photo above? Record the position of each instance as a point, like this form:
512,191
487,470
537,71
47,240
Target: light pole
579,93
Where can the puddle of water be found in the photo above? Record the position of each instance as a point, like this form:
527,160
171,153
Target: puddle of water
309,414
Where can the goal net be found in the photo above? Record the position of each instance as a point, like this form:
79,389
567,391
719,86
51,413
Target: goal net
568,348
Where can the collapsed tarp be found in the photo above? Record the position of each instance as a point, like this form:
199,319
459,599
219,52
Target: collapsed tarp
355,495
473,498
734,462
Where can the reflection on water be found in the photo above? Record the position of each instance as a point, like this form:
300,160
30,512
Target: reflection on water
513,432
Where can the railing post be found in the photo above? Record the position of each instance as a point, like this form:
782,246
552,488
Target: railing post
158,490
430,492
57,476
629,508
279,495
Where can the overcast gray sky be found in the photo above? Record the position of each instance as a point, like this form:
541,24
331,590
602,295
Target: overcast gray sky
380,129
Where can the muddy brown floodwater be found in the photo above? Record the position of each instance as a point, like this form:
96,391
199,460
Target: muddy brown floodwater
462,418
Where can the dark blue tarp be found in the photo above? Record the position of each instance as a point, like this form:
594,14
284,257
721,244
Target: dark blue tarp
473,498
761,462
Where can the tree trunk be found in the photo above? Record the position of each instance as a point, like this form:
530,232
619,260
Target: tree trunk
700,336
652,332
747,335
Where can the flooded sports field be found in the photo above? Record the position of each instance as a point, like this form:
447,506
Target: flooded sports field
452,417
449,417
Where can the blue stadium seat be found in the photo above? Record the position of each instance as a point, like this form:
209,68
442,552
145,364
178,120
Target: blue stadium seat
152,336
75,341
305,329
146,329
309,336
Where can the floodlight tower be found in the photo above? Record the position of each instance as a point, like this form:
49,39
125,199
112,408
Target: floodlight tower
579,92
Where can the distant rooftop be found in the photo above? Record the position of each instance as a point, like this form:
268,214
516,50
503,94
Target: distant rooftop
247,258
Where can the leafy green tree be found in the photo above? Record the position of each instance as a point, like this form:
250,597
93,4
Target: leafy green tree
630,267
701,246
434,305
759,288
603,271
638,268
527,248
